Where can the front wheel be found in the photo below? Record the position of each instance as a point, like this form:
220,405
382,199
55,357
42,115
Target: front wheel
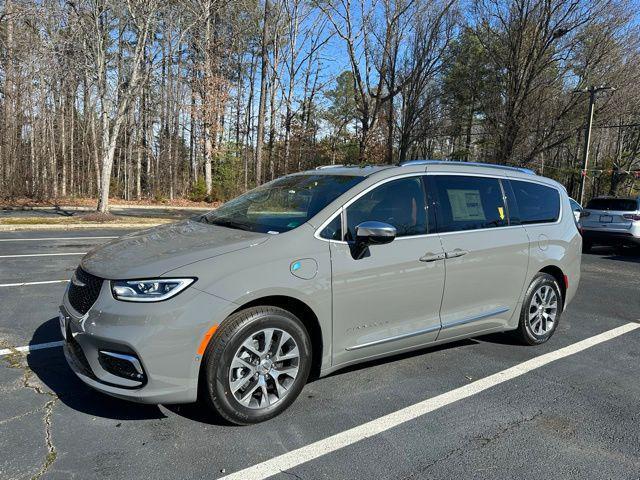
256,364
541,310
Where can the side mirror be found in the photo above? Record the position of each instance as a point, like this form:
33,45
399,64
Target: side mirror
372,233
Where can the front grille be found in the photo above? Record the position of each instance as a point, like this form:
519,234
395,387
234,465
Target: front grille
84,290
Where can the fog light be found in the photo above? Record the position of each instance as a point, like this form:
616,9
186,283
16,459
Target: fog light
122,365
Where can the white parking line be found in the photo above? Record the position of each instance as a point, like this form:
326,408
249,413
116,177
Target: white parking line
312,451
24,284
42,255
31,348
50,239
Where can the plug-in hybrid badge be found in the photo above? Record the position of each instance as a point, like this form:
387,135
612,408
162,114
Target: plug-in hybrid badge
305,268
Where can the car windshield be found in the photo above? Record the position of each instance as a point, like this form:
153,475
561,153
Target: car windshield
618,204
281,205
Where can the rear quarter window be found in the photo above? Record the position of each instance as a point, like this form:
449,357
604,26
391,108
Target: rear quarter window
536,203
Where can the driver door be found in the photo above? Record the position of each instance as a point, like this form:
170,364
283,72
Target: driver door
389,299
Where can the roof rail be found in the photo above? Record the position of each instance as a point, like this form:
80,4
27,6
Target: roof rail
322,167
472,164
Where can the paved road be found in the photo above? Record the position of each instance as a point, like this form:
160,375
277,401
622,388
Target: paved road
577,417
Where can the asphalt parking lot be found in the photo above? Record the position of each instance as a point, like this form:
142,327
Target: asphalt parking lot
577,416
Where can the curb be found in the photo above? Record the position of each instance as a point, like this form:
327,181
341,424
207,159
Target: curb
78,226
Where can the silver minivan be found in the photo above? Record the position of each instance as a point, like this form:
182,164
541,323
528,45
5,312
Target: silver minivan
316,271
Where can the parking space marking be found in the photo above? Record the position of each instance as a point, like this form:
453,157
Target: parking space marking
31,348
24,284
382,424
42,255
51,239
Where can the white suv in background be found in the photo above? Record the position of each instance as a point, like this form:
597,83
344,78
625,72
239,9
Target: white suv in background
611,221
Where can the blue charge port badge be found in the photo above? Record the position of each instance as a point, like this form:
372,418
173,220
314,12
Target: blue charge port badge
305,268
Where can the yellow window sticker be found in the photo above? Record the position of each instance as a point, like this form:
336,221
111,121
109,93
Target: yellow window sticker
501,212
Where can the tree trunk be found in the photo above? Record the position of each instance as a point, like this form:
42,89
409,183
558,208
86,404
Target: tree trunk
263,93
139,147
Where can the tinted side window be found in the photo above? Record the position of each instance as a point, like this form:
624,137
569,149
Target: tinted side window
468,203
620,204
575,206
333,230
536,203
400,203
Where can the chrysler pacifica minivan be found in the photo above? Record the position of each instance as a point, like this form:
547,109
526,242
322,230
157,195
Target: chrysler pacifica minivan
316,271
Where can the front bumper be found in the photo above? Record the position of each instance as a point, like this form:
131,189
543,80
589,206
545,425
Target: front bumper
605,237
163,337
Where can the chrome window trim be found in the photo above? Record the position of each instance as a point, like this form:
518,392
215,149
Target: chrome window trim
504,177
353,199
561,213
340,210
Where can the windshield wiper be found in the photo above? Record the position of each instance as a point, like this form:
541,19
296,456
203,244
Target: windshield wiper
226,222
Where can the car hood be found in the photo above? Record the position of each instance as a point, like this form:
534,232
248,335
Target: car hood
156,251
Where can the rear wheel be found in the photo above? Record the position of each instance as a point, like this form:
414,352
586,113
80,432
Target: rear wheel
541,310
256,364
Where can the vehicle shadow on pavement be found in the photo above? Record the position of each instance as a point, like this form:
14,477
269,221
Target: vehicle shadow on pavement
500,338
624,258
631,255
198,412
50,366
401,356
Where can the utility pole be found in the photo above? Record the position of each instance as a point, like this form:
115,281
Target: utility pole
592,91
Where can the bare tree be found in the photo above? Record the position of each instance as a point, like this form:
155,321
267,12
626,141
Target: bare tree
202,99
372,40
531,45
433,30
262,103
97,18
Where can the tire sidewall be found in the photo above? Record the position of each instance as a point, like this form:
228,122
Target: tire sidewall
218,364
525,327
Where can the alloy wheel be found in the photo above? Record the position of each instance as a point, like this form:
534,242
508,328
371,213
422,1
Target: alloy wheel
543,310
264,368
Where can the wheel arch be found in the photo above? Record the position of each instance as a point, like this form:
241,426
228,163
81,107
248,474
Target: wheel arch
557,273
306,315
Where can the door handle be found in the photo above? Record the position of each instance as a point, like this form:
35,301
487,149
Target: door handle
432,257
456,253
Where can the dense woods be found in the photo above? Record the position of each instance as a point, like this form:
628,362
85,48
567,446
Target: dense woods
204,99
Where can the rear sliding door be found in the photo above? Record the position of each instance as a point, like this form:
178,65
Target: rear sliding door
486,256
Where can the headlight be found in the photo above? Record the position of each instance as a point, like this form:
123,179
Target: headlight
154,290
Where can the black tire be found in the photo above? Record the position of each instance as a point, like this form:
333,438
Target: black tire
525,332
215,390
586,246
